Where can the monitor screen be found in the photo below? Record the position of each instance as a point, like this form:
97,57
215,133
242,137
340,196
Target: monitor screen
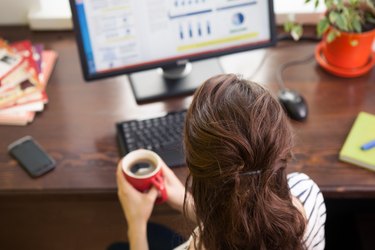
123,36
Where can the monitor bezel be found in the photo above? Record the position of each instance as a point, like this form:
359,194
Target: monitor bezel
167,63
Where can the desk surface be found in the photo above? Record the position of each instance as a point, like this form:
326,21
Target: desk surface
78,125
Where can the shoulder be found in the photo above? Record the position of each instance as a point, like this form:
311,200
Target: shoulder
300,183
305,189
308,193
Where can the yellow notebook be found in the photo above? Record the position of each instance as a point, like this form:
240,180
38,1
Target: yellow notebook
362,131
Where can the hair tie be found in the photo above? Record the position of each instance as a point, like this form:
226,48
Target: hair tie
252,172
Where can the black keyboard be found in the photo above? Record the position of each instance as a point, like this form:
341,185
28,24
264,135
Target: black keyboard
162,135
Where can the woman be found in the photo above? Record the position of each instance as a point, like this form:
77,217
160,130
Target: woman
237,145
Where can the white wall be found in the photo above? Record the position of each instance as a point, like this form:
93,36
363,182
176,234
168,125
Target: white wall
298,10
296,6
39,14
16,11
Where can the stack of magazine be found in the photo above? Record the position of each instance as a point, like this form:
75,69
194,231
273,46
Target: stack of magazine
24,72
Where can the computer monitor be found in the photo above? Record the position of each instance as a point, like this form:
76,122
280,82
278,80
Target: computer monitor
168,47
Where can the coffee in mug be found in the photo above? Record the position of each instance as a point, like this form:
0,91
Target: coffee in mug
142,169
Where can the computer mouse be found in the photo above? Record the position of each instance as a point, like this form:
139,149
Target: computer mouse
294,104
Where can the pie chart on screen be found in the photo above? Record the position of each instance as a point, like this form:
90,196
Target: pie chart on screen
238,19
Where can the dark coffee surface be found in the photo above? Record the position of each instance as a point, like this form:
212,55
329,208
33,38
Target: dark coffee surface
142,167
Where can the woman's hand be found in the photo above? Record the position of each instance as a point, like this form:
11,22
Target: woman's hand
176,193
137,206
175,189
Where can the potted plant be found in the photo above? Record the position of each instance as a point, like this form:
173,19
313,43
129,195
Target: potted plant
348,30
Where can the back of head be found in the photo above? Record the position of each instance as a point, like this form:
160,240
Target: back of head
237,143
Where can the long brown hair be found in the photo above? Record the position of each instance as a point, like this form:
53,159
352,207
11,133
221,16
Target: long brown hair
237,144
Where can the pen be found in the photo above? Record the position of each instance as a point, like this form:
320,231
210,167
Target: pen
368,145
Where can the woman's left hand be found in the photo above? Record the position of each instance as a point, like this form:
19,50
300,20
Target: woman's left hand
136,205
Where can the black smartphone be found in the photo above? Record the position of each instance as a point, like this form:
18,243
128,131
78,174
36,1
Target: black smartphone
31,156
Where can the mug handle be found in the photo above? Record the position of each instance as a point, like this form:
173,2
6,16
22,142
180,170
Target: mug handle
158,182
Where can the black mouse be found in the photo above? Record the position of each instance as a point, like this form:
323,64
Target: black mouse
294,104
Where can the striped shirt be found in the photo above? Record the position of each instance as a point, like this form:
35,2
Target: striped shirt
310,196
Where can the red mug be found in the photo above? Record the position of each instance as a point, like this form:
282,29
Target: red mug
142,169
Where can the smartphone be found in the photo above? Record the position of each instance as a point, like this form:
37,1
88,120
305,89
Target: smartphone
31,156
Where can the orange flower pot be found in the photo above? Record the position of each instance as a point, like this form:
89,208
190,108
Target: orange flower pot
340,53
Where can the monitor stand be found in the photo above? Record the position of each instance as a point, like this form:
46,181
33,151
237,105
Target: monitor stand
158,84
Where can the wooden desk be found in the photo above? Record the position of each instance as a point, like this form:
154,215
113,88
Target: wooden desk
78,125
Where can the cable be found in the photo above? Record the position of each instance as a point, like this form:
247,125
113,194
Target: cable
283,37
280,70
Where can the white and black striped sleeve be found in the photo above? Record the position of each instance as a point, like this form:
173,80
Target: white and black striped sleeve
309,194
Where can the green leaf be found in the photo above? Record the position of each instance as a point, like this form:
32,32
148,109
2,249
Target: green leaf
288,25
331,36
345,12
339,5
357,25
316,3
328,3
296,32
294,29
322,26
341,23
370,18
333,16
353,2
